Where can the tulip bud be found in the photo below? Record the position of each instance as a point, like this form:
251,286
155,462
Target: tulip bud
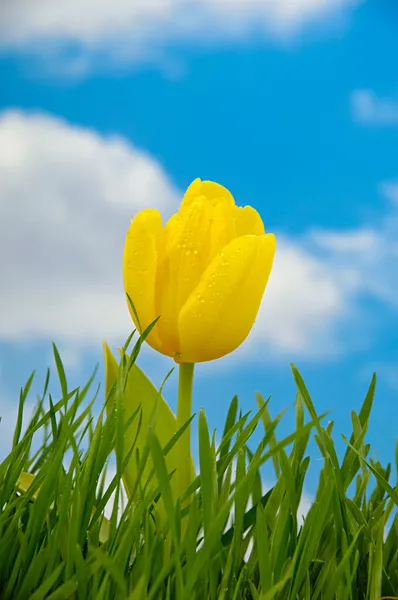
204,273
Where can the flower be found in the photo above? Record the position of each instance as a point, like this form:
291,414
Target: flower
204,273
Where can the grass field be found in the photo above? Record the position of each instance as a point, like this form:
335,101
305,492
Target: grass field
223,539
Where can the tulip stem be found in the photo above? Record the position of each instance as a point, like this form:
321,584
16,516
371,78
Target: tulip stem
184,413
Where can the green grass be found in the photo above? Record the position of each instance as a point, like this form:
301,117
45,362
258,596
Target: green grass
223,540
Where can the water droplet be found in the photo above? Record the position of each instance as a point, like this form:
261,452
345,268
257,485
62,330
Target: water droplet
195,252
177,357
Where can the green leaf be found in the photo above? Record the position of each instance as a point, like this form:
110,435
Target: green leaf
140,394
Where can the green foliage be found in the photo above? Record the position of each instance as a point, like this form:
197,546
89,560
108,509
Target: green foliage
226,538
128,389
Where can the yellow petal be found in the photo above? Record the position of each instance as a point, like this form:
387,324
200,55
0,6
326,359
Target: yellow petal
248,221
216,193
184,260
220,313
139,269
170,233
213,192
192,191
190,251
222,229
165,297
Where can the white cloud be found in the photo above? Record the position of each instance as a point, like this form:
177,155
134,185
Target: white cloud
368,108
361,240
302,303
126,30
314,304
66,198
371,255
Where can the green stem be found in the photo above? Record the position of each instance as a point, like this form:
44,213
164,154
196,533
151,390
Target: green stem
184,412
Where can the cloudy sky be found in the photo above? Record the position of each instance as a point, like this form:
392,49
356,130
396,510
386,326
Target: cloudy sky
109,107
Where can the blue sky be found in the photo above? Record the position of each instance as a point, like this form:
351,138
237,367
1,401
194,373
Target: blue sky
292,109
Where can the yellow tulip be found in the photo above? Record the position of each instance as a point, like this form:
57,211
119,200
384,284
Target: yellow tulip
204,273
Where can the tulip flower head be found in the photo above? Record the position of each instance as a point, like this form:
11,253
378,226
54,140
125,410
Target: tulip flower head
204,273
